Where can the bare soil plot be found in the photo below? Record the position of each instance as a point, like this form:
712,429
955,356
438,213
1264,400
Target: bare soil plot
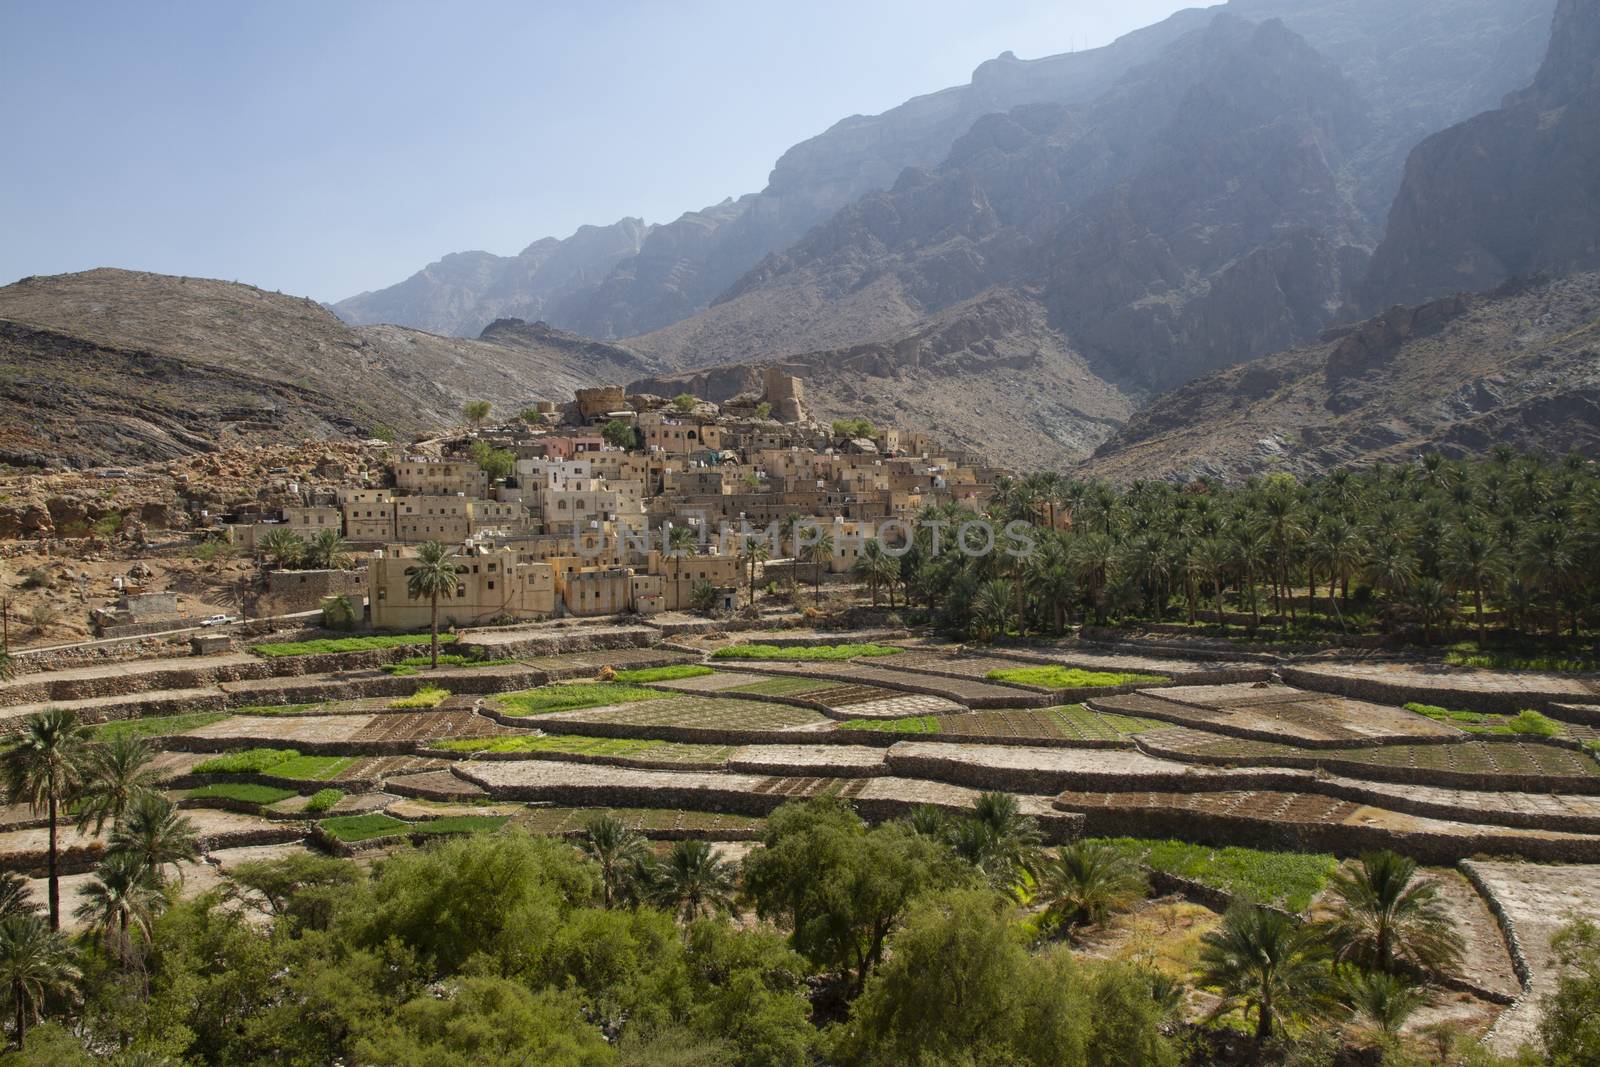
124,677
656,823
724,682
1279,713
843,761
434,785
1535,901
965,691
1510,765
1451,687
1486,961
589,664
1070,723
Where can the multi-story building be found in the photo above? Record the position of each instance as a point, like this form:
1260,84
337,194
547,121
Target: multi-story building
490,585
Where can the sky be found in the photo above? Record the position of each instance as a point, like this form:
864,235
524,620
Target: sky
331,147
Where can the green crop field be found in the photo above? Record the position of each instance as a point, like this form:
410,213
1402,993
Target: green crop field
1288,879
670,673
156,725
571,696
1070,677
804,653
242,792
324,645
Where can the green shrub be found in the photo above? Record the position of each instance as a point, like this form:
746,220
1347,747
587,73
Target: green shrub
399,669
323,799
663,674
571,696
1532,724
275,709
242,792
446,659
804,653
1438,714
247,761
1071,677
429,696
459,824
1510,661
324,645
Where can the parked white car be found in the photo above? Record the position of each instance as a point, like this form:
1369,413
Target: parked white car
217,620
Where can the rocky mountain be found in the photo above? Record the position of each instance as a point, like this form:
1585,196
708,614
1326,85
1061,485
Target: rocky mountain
465,291
958,374
1419,65
112,366
1517,366
1191,216
1509,193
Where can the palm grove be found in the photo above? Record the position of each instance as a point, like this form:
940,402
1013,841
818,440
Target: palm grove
1506,550
942,938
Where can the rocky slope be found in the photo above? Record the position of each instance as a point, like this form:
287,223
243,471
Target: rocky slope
1510,192
111,366
989,374
1419,65
1519,366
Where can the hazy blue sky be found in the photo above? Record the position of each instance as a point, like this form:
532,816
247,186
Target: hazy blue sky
325,148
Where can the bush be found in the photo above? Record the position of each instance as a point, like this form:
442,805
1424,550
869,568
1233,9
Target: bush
248,761
324,799
804,653
429,696
1287,879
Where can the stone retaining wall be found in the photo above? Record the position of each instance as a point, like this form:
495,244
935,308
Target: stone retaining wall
1341,839
641,762
554,641
1378,691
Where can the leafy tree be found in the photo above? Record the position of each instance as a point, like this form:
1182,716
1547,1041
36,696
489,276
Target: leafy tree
338,613
1570,1027
840,888
693,881
1385,917
1264,962
116,773
618,434
684,403
485,1022
853,428
302,888
1087,880
475,411
284,548
764,410
35,963
959,988
498,463
44,768
433,575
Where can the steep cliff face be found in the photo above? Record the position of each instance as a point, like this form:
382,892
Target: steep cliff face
1509,193
465,291
1191,216
1517,366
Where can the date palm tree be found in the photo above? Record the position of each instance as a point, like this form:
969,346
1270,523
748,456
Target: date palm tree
992,609
44,769
115,774
819,554
1386,918
155,833
15,897
328,551
998,839
35,963
617,850
694,881
680,542
284,548
121,901
1265,962
433,575
1087,880
757,550
1385,1001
